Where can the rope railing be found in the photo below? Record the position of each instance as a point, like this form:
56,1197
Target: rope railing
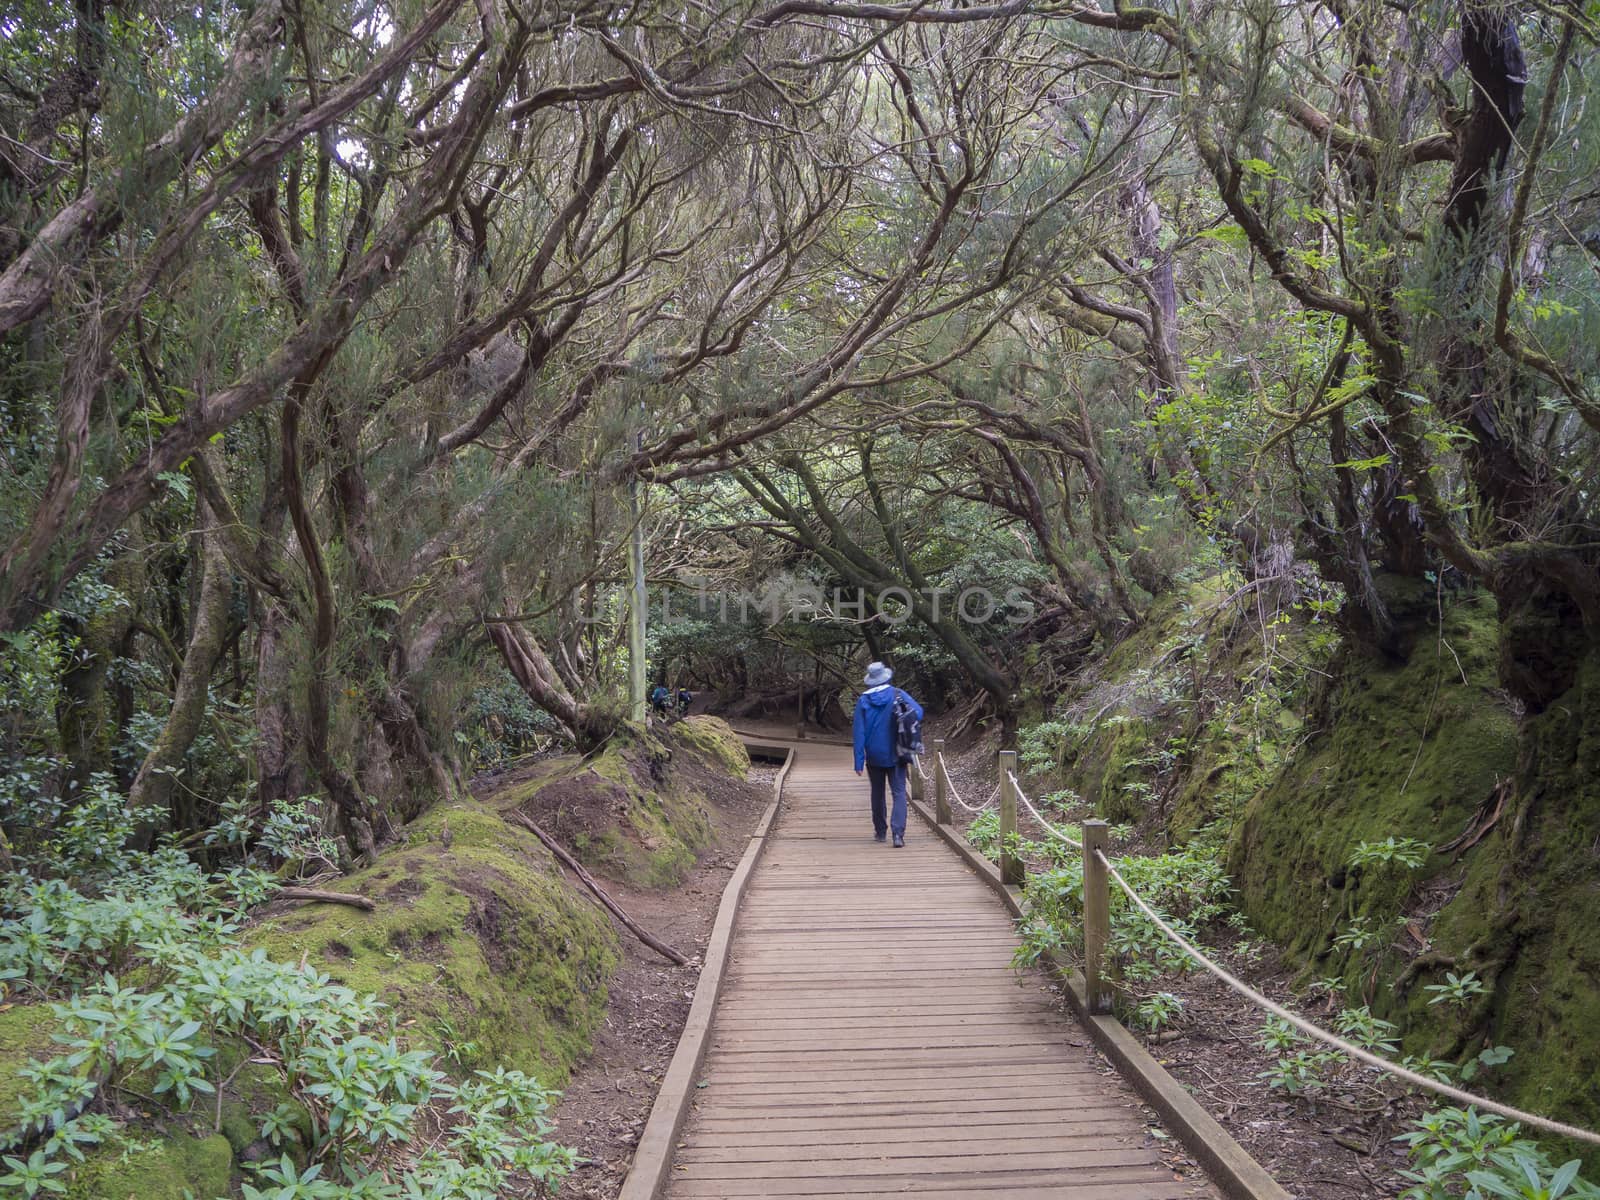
1099,872
1039,817
1311,1030
956,796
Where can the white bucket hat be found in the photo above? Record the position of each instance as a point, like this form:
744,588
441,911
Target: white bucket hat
878,674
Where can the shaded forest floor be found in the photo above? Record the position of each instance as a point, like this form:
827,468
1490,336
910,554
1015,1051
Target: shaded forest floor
607,1099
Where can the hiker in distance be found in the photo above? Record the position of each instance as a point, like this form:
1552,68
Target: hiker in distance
888,731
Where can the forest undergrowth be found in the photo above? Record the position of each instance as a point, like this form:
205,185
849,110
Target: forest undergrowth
143,964
1178,735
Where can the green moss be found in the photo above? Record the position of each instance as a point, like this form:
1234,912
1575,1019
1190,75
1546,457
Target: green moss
1412,750
647,822
25,1031
176,1169
714,740
477,943
1112,770
1303,771
1406,750
1528,910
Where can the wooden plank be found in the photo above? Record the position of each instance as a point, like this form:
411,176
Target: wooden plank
707,1129
1007,1186
738,1096
845,1072
873,1039
1135,1162
845,1143
848,1157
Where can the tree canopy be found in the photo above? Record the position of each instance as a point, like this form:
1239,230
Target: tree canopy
334,336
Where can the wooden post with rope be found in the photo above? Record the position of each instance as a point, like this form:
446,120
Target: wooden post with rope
941,785
914,778
1010,861
1096,916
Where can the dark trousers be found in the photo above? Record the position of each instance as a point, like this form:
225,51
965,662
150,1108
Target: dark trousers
895,778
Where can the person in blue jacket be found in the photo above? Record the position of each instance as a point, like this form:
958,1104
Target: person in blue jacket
875,750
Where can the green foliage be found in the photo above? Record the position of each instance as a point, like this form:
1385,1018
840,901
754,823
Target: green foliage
1462,1153
1187,887
1404,852
156,996
983,831
1158,1011
1040,745
1457,990
501,723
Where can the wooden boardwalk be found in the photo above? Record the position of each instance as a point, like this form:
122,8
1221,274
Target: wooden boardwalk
872,1039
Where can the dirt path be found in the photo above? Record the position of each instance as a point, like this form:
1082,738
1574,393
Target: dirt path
608,1097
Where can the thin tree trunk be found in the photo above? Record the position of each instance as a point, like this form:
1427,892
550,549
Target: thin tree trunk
150,797
611,906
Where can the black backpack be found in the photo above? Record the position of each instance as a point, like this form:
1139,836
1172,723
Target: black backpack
907,730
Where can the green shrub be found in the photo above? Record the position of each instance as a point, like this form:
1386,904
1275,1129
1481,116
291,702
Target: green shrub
156,1000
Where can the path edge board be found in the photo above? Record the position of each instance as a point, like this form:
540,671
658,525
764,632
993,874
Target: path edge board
652,1159
1230,1166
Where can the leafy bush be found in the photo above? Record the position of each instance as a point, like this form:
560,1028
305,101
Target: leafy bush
1187,887
1158,1011
1039,747
501,723
1478,1156
1404,852
1456,990
984,833
157,1000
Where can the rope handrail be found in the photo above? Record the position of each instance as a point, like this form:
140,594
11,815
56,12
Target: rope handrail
1037,816
916,761
950,791
1559,1128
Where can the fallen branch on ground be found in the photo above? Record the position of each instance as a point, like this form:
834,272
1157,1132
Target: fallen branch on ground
611,905
319,896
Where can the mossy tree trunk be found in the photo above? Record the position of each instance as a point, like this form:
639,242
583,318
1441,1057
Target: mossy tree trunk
530,666
150,797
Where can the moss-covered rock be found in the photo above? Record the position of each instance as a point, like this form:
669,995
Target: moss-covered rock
1405,750
1526,915
715,742
178,1168
481,948
1427,749
479,945
629,811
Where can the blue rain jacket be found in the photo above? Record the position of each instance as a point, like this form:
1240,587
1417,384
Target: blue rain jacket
874,725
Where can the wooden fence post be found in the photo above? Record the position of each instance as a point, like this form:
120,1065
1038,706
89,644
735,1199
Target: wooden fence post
1096,916
914,778
1010,864
941,785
